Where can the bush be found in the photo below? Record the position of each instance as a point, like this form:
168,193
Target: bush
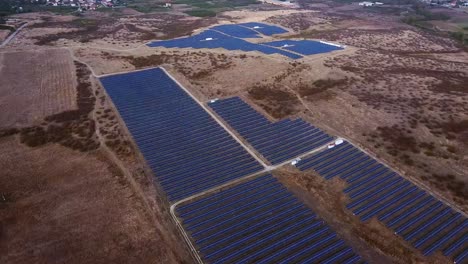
460,36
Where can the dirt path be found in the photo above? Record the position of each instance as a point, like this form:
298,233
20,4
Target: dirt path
12,36
72,54
114,159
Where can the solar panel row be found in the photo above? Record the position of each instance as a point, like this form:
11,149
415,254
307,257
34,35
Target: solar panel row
259,221
377,191
211,39
186,148
278,141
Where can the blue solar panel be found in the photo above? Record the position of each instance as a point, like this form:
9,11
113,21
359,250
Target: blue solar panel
180,141
462,257
236,31
211,39
458,243
260,221
377,191
231,37
304,47
276,141
265,29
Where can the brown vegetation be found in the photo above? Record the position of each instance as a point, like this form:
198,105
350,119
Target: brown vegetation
276,102
70,207
320,89
74,128
299,21
206,63
424,95
123,29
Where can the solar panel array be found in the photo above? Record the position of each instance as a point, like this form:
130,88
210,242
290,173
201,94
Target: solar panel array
304,47
186,148
231,37
259,221
377,191
276,141
211,39
267,30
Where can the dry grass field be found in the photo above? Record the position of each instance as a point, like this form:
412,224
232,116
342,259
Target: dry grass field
73,190
102,30
35,84
63,206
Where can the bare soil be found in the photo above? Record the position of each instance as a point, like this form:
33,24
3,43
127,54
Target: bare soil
71,207
4,34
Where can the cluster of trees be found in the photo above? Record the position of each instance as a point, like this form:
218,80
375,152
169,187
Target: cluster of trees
8,7
5,7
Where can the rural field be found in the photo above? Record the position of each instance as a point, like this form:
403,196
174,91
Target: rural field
79,185
37,84
71,183
65,205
